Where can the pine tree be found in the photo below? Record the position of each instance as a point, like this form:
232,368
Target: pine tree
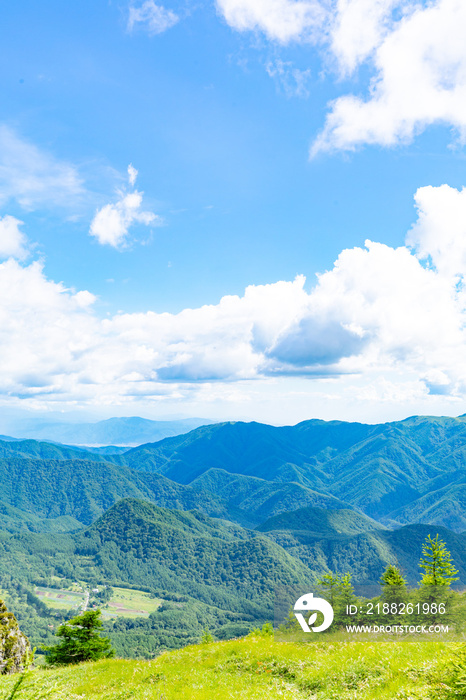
81,641
330,585
339,591
439,574
206,637
436,562
393,585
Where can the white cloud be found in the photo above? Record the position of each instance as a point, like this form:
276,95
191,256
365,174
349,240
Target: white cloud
132,174
112,222
358,28
13,242
406,312
439,234
353,28
291,80
156,19
43,330
380,319
33,177
415,50
420,80
281,20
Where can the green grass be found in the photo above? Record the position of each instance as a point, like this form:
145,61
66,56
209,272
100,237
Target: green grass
126,602
252,668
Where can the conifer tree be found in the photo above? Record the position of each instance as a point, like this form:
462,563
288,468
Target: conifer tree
436,562
439,574
81,641
393,585
339,591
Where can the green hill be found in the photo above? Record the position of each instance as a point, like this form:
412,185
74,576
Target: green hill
82,490
252,449
319,495
408,540
255,668
206,572
16,520
27,449
397,473
186,552
79,489
346,541
250,500
322,523
440,506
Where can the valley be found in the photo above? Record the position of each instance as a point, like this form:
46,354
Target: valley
196,530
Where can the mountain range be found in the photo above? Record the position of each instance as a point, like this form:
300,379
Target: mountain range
398,473
225,512
411,471
113,431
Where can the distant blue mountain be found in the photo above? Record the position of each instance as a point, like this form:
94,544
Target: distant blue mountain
114,431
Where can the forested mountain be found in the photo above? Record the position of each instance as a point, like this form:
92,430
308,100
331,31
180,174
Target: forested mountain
343,540
322,523
82,490
189,553
397,473
391,472
217,573
63,494
250,501
47,450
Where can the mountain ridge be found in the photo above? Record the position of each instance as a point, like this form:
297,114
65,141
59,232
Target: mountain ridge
381,470
127,432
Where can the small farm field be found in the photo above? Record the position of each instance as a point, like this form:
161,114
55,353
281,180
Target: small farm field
127,602
60,599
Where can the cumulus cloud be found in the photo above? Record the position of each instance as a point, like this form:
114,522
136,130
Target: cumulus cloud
380,313
313,343
352,28
420,80
439,235
111,223
415,51
43,329
156,19
358,27
33,177
13,242
281,20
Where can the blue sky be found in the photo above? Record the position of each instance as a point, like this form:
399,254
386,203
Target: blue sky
267,142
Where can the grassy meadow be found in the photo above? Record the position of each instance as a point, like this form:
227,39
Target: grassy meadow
124,602
127,602
255,668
